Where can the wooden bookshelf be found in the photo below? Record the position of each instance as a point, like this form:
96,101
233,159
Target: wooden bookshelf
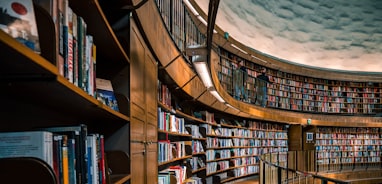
233,150
174,137
35,95
303,93
343,148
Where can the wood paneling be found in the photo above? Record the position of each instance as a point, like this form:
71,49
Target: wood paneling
137,129
295,138
137,168
308,145
144,78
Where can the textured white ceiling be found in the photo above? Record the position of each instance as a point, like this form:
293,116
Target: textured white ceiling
330,34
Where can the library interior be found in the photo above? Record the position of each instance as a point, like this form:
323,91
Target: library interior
190,92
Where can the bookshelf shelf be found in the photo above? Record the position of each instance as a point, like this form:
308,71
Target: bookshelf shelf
23,62
120,178
200,153
219,171
174,160
234,178
190,118
199,170
44,93
174,133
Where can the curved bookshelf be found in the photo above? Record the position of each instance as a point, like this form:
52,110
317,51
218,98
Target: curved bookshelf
302,93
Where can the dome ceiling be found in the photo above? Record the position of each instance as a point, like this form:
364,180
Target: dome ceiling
329,34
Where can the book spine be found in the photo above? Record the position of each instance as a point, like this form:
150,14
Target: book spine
60,158
68,42
90,160
102,160
88,64
60,37
75,49
93,159
56,157
65,162
69,20
72,161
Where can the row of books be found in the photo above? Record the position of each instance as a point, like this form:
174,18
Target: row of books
242,171
218,143
366,154
266,126
177,173
349,130
197,147
216,166
196,131
74,155
244,132
348,136
349,142
171,150
348,147
168,121
164,94
218,154
372,161
76,56
245,161
213,142
197,163
76,59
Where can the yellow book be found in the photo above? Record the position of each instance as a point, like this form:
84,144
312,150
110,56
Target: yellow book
65,161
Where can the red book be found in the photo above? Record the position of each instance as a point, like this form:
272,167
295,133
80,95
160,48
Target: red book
102,160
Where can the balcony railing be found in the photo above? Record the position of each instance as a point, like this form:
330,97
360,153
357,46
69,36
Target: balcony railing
300,167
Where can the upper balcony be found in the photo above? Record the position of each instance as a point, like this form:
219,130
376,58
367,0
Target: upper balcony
299,95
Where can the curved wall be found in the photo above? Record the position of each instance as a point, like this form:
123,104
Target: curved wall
168,55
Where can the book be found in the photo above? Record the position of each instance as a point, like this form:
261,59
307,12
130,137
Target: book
105,93
68,41
93,172
102,167
37,144
60,36
79,133
65,161
17,18
81,50
57,161
72,160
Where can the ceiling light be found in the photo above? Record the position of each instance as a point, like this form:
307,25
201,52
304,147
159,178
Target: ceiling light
236,47
203,72
217,96
189,5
